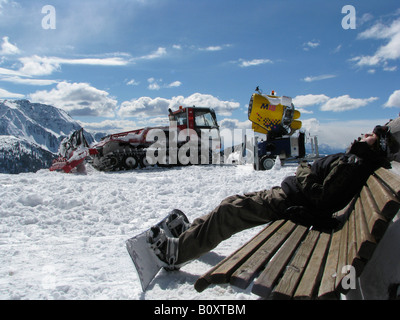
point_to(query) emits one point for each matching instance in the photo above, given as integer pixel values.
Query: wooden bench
(290, 261)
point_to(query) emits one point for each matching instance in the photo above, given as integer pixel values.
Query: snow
(62, 236)
(10, 142)
(11, 104)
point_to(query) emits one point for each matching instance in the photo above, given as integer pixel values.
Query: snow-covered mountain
(31, 134)
(325, 149)
(17, 155)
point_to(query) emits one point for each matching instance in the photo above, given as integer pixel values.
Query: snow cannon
(273, 115)
(277, 118)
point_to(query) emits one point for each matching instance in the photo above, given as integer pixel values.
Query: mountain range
(30, 134)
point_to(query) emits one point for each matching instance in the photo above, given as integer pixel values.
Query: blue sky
(119, 64)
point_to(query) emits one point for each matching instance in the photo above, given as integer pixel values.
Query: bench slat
(377, 224)
(268, 278)
(232, 262)
(313, 272)
(388, 205)
(327, 287)
(366, 243)
(223, 273)
(390, 178)
(243, 276)
(353, 258)
(294, 271)
(342, 258)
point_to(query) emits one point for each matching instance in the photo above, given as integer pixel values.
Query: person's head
(370, 138)
(377, 140)
(383, 139)
(393, 139)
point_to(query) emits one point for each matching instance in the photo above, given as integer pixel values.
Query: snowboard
(146, 262)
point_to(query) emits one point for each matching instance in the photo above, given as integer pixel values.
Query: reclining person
(311, 197)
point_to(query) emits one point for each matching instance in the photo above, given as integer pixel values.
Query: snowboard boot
(165, 248)
(177, 223)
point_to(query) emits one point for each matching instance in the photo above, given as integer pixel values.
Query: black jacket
(331, 182)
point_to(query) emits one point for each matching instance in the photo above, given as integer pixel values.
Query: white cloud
(389, 51)
(345, 103)
(160, 52)
(110, 126)
(4, 3)
(318, 78)
(337, 104)
(394, 100)
(79, 99)
(337, 49)
(132, 82)
(234, 124)
(18, 77)
(8, 72)
(149, 107)
(309, 100)
(153, 84)
(174, 84)
(29, 81)
(36, 66)
(10, 95)
(94, 61)
(215, 48)
(364, 18)
(340, 134)
(144, 107)
(366, 60)
(251, 63)
(390, 69)
(157, 84)
(39, 66)
(207, 100)
(212, 48)
(8, 48)
(311, 126)
(310, 45)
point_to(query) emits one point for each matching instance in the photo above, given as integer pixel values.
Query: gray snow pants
(234, 214)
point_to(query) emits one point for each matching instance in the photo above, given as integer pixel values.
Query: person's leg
(234, 214)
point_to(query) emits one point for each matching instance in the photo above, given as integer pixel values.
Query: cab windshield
(204, 119)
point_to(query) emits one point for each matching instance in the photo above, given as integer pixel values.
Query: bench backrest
(369, 217)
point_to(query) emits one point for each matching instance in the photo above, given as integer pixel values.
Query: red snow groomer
(131, 149)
